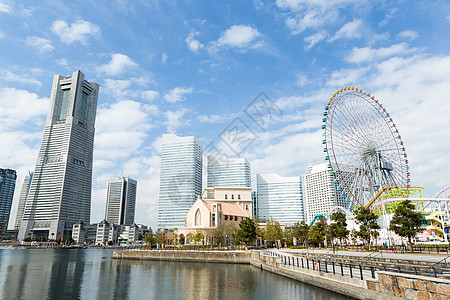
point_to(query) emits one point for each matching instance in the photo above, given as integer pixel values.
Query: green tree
(247, 231)
(230, 230)
(149, 238)
(300, 231)
(160, 236)
(218, 234)
(339, 226)
(198, 237)
(316, 233)
(406, 222)
(368, 226)
(273, 231)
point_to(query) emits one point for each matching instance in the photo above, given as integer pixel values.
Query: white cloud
(312, 40)
(177, 94)
(408, 35)
(149, 95)
(40, 44)
(121, 128)
(2, 35)
(20, 78)
(75, 32)
(164, 58)
(351, 30)
(215, 118)
(315, 14)
(193, 44)
(119, 63)
(18, 106)
(5, 8)
(62, 62)
(174, 119)
(368, 54)
(238, 36)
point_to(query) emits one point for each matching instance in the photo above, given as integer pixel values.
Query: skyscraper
(224, 171)
(279, 198)
(7, 185)
(121, 201)
(181, 178)
(60, 191)
(320, 191)
(23, 199)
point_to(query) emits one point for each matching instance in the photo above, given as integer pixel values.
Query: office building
(60, 190)
(224, 172)
(181, 179)
(121, 201)
(321, 193)
(279, 198)
(7, 185)
(22, 199)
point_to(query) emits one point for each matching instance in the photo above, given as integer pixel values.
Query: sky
(198, 67)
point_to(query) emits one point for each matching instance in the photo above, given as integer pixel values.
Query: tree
(300, 231)
(406, 222)
(149, 238)
(247, 231)
(368, 225)
(160, 236)
(273, 231)
(198, 236)
(339, 226)
(217, 235)
(316, 233)
(230, 230)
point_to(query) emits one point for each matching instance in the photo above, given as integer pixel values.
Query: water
(93, 274)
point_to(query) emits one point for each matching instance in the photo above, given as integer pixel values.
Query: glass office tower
(181, 179)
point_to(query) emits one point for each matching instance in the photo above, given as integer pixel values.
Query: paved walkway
(413, 257)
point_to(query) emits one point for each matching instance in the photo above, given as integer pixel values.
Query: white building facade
(121, 201)
(23, 199)
(60, 190)
(321, 191)
(223, 171)
(181, 179)
(279, 198)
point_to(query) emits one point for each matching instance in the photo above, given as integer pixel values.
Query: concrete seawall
(235, 257)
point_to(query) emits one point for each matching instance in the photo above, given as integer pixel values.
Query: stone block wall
(410, 286)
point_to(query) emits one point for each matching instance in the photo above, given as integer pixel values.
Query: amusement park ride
(367, 160)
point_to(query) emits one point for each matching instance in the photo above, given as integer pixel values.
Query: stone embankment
(236, 257)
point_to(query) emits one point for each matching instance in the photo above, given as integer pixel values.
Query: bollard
(361, 272)
(342, 270)
(334, 271)
(351, 271)
(372, 271)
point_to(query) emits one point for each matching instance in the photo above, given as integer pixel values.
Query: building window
(198, 218)
(232, 196)
(239, 196)
(226, 196)
(246, 206)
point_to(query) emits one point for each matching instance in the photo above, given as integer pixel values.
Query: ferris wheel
(364, 150)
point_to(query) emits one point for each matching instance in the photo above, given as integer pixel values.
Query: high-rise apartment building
(225, 172)
(60, 191)
(7, 185)
(181, 179)
(279, 198)
(23, 199)
(121, 201)
(321, 193)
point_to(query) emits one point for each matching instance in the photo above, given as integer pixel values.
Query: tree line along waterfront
(406, 223)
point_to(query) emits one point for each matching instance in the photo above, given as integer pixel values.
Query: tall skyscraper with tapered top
(121, 201)
(181, 179)
(60, 191)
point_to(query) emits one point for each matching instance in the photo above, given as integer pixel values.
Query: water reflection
(92, 274)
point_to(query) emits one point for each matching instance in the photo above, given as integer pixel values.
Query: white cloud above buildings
(118, 64)
(178, 94)
(239, 37)
(193, 44)
(41, 45)
(78, 31)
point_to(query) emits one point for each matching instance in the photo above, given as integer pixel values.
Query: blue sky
(193, 67)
